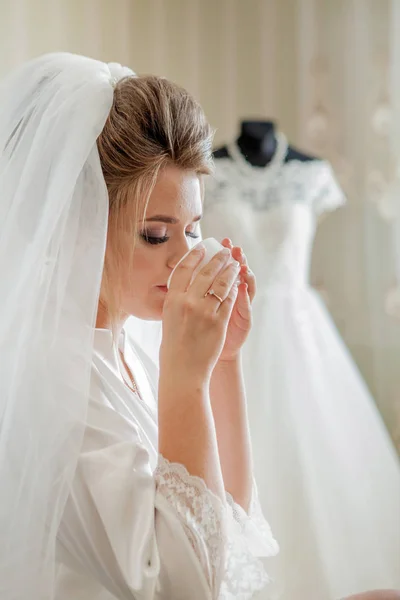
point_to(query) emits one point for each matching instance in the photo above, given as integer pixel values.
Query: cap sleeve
(328, 194)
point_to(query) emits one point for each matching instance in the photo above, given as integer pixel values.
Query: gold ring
(212, 293)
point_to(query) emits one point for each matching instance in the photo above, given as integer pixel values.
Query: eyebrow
(169, 220)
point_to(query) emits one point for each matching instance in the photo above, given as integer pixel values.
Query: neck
(103, 320)
(257, 141)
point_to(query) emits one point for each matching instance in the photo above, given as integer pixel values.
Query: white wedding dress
(328, 477)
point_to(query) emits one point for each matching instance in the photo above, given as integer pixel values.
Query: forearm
(187, 432)
(228, 402)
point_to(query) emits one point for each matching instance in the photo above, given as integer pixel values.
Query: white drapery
(326, 70)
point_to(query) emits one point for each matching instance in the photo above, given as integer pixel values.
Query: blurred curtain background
(328, 71)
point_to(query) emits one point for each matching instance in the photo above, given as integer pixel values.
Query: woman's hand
(195, 322)
(240, 322)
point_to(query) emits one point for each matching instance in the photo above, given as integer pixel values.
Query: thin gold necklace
(134, 387)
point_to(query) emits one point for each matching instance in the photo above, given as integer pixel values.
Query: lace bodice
(271, 212)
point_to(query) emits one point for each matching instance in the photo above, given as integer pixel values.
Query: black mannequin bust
(257, 142)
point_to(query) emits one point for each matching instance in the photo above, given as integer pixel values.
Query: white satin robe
(138, 527)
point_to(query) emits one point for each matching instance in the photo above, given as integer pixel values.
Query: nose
(178, 250)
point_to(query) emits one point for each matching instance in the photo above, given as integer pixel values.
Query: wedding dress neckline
(275, 163)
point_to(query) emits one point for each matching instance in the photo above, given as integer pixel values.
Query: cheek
(143, 269)
(141, 261)
(145, 260)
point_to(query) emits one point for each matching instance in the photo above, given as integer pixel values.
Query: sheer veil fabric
(53, 224)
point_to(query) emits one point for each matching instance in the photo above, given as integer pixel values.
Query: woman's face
(171, 227)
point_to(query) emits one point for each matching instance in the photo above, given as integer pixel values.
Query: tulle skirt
(328, 475)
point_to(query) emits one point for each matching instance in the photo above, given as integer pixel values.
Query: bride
(107, 493)
(111, 489)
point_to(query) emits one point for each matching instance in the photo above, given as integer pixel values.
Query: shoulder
(223, 181)
(315, 182)
(221, 153)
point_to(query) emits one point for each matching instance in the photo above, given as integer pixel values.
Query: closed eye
(154, 240)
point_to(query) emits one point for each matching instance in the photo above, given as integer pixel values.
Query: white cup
(212, 247)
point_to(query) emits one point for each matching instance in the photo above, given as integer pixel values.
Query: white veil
(53, 223)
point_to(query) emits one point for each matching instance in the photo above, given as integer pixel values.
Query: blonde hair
(152, 123)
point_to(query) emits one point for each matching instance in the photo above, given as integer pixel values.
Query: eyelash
(161, 240)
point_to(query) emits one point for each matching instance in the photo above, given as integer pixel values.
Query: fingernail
(226, 252)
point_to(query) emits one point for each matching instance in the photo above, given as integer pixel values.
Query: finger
(237, 254)
(247, 276)
(226, 308)
(244, 260)
(183, 273)
(222, 284)
(227, 243)
(243, 305)
(205, 277)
